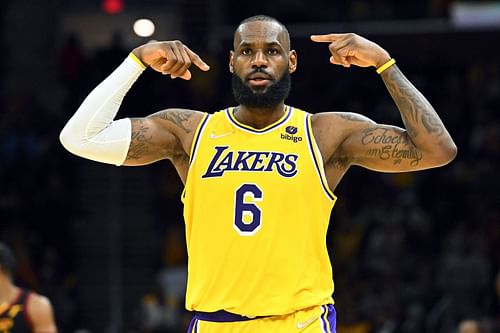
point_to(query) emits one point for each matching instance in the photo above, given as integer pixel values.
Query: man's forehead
(259, 31)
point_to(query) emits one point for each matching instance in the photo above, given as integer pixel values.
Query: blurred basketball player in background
(21, 310)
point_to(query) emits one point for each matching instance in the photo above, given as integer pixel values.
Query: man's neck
(8, 291)
(259, 117)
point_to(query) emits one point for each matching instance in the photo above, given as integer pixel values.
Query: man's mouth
(259, 82)
(259, 79)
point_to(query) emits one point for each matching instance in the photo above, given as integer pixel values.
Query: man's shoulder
(341, 116)
(39, 310)
(332, 128)
(37, 300)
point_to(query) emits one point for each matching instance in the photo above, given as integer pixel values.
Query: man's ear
(292, 61)
(231, 61)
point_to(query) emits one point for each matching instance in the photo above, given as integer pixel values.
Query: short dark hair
(266, 18)
(7, 260)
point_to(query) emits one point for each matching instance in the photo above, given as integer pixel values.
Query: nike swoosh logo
(213, 136)
(306, 323)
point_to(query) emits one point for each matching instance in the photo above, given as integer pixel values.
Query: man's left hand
(351, 49)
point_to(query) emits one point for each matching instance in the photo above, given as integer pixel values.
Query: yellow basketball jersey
(257, 207)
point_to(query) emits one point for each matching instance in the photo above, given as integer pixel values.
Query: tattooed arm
(94, 133)
(163, 135)
(424, 143)
(168, 133)
(424, 128)
(360, 141)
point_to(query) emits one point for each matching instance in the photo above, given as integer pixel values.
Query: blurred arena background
(414, 252)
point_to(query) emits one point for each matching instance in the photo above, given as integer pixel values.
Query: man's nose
(259, 59)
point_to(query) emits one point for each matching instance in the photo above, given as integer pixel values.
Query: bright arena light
(144, 27)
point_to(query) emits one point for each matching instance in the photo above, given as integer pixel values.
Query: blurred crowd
(413, 252)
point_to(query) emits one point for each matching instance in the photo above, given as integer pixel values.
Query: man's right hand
(170, 58)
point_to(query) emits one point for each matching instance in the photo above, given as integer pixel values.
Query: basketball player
(259, 176)
(21, 310)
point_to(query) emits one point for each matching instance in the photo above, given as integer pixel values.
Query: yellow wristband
(388, 64)
(137, 60)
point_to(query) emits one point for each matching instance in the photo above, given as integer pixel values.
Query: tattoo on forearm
(176, 117)
(432, 124)
(141, 144)
(414, 107)
(390, 146)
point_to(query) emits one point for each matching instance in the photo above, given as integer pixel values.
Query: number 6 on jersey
(247, 215)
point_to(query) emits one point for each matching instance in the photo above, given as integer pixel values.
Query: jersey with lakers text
(257, 207)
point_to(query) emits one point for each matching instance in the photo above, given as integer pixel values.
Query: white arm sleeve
(91, 132)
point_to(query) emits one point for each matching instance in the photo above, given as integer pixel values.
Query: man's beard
(266, 98)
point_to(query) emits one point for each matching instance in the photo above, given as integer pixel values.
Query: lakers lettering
(251, 161)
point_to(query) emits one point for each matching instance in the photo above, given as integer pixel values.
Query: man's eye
(273, 51)
(246, 51)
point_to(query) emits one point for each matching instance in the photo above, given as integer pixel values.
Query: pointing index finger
(197, 60)
(326, 38)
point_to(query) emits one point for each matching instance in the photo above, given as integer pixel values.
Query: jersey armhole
(196, 138)
(194, 147)
(27, 317)
(317, 158)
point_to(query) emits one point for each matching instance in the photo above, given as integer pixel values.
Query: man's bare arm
(93, 133)
(166, 134)
(379, 147)
(425, 143)
(357, 140)
(423, 125)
